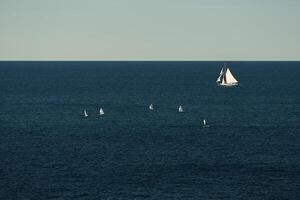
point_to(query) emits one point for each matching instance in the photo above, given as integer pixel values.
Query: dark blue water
(48, 150)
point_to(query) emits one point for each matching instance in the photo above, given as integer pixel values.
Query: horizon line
(142, 60)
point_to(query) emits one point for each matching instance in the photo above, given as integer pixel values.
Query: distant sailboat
(101, 112)
(180, 109)
(205, 125)
(85, 113)
(226, 78)
(151, 107)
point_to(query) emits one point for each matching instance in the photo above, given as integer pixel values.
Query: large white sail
(229, 77)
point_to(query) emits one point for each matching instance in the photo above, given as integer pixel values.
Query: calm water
(48, 150)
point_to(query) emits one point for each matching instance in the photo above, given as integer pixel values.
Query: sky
(149, 30)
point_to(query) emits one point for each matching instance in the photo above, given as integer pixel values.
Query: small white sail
(151, 107)
(180, 109)
(101, 112)
(221, 74)
(223, 81)
(85, 113)
(205, 125)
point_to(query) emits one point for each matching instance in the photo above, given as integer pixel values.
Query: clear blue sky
(149, 30)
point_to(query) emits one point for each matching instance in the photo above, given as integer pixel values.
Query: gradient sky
(149, 30)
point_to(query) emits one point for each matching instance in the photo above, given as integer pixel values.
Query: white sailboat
(226, 78)
(101, 112)
(205, 125)
(151, 107)
(85, 113)
(180, 109)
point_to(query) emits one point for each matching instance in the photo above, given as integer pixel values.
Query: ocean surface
(48, 150)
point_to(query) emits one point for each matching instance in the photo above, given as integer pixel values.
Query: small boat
(205, 125)
(226, 78)
(151, 107)
(85, 113)
(180, 109)
(101, 112)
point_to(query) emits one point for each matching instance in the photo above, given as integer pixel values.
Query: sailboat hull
(228, 84)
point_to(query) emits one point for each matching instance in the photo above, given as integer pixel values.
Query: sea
(49, 150)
